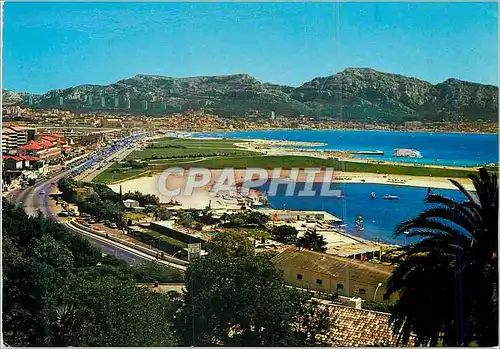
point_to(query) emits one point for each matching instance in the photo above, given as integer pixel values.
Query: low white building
(129, 203)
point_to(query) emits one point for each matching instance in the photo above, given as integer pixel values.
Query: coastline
(224, 130)
(150, 184)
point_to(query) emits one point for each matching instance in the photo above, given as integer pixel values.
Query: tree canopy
(59, 290)
(311, 240)
(285, 233)
(238, 298)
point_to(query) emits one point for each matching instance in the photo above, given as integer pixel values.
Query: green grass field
(155, 235)
(217, 154)
(123, 174)
(166, 148)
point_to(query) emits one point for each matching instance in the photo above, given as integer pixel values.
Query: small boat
(359, 223)
(372, 195)
(390, 197)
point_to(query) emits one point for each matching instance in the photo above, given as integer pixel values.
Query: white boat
(390, 197)
(372, 195)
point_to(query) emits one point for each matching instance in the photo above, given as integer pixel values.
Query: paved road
(95, 171)
(34, 201)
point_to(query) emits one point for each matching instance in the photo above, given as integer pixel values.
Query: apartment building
(15, 137)
(333, 274)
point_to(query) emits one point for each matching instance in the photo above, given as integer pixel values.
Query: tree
(143, 199)
(162, 214)
(448, 281)
(185, 219)
(233, 244)
(60, 291)
(285, 233)
(241, 300)
(153, 272)
(258, 218)
(311, 240)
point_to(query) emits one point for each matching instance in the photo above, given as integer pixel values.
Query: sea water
(447, 149)
(380, 217)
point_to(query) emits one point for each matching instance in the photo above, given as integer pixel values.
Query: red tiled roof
(30, 158)
(361, 328)
(45, 143)
(12, 157)
(48, 138)
(31, 146)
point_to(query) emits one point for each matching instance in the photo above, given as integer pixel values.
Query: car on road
(42, 193)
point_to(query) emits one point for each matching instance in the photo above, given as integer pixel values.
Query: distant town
(201, 120)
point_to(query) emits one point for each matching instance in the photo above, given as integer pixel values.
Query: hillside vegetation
(355, 94)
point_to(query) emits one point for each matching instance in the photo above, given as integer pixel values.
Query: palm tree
(448, 281)
(311, 240)
(69, 319)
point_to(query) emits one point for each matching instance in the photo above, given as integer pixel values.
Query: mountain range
(355, 94)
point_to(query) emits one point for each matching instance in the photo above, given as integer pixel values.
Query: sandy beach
(201, 197)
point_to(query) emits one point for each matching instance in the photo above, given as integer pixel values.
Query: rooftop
(11, 157)
(361, 328)
(7, 130)
(326, 215)
(334, 266)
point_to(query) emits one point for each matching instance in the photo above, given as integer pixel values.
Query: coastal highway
(35, 199)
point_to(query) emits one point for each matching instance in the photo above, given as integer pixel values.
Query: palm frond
(463, 190)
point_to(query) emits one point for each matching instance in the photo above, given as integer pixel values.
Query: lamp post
(375, 293)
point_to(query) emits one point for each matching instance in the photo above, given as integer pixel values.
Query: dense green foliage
(236, 297)
(143, 199)
(96, 199)
(448, 281)
(101, 202)
(244, 219)
(58, 290)
(311, 240)
(285, 233)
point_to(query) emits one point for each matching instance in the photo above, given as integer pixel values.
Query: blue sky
(57, 45)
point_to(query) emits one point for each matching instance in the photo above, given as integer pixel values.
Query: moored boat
(390, 197)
